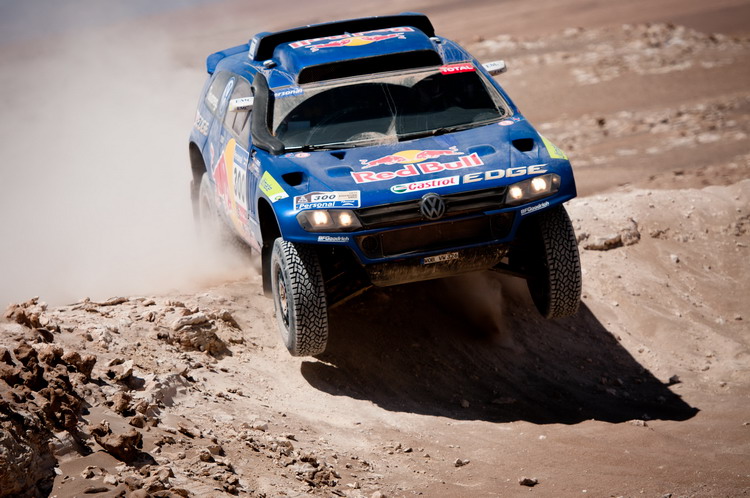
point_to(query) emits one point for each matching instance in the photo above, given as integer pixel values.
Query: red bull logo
(355, 41)
(352, 40)
(424, 168)
(410, 157)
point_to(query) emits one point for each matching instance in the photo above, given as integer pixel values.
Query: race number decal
(327, 200)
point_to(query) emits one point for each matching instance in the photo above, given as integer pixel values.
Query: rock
(200, 339)
(24, 353)
(160, 389)
(50, 354)
(227, 317)
(674, 258)
(630, 235)
(460, 463)
(194, 319)
(639, 423)
(121, 373)
(93, 490)
(604, 243)
(259, 425)
(23, 441)
(6, 357)
(20, 314)
(114, 301)
(125, 447)
(88, 472)
(121, 402)
(528, 481)
(138, 420)
(84, 364)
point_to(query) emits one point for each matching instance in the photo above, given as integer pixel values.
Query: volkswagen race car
(374, 152)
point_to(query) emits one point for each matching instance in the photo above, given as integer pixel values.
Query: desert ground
(135, 360)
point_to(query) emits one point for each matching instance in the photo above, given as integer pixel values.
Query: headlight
(531, 189)
(328, 220)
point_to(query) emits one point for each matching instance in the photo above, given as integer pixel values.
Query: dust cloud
(479, 299)
(94, 135)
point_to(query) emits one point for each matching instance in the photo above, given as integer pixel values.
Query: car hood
(492, 155)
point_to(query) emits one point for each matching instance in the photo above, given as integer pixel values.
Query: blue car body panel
(245, 176)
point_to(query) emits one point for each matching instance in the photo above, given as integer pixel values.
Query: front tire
(551, 260)
(299, 298)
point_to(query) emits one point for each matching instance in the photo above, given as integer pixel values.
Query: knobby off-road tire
(299, 298)
(555, 266)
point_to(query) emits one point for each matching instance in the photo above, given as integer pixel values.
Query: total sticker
(327, 200)
(465, 67)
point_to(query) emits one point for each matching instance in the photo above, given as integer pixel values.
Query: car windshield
(385, 108)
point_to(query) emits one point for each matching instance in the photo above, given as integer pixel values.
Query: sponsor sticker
(288, 92)
(553, 151)
(271, 188)
(327, 200)
(440, 258)
(201, 124)
(496, 174)
(255, 165)
(464, 67)
(352, 39)
(332, 238)
(411, 156)
(241, 158)
(509, 121)
(298, 155)
(227, 92)
(535, 208)
(426, 185)
(424, 168)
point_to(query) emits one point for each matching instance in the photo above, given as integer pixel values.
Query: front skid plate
(444, 265)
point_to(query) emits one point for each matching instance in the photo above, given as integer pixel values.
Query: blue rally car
(373, 152)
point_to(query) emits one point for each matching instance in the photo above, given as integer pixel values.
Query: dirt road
(445, 388)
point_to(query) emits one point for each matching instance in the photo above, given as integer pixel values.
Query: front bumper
(439, 266)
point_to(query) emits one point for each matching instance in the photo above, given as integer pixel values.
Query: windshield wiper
(331, 146)
(430, 133)
(444, 130)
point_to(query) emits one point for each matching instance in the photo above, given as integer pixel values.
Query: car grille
(403, 213)
(436, 236)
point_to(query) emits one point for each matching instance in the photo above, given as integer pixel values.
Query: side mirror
(243, 104)
(495, 67)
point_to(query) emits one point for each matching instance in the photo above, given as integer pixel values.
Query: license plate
(440, 258)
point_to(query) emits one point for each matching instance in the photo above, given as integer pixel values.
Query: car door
(244, 170)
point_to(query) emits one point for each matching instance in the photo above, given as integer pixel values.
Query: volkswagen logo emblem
(432, 206)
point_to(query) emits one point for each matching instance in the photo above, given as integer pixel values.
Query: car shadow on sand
(474, 348)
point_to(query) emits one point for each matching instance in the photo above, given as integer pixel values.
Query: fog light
(515, 192)
(539, 184)
(345, 219)
(320, 218)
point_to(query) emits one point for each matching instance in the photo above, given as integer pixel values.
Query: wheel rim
(281, 297)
